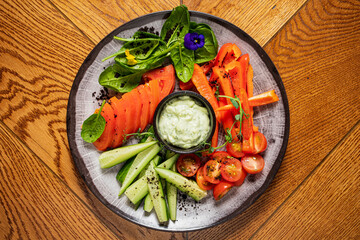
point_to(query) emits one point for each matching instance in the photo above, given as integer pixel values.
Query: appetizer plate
(273, 121)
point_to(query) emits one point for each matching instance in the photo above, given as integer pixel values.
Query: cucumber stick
(140, 162)
(171, 194)
(111, 158)
(148, 204)
(138, 190)
(185, 185)
(120, 176)
(156, 193)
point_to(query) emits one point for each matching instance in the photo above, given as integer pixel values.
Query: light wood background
(315, 47)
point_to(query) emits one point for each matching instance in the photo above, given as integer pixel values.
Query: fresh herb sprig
(235, 101)
(93, 126)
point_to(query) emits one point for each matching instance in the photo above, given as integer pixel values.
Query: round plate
(273, 121)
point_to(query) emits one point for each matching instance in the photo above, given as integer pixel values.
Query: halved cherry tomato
(212, 171)
(260, 142)
(235, 149)
(253, 163)
(242, 177)
(221, 189)
(188, 164)
(220, 156)
(200, 180)
(231, 169)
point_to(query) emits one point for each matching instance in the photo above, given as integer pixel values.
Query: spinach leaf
(111, 79)
(209, 51)
(194, 25)
(183, 60)
(141, 34)
(140, 48)
(210, 48)
(176, 26)
(93, 126)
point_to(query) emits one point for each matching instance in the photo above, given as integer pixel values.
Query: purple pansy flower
(194, 41)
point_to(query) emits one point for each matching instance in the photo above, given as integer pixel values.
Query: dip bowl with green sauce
(184, 121)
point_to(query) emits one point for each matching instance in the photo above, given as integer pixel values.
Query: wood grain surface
(314, 46)
(96, 19)
(35, 204)
(326, 205)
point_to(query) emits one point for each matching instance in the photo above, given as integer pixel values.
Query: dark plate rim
(138, 22)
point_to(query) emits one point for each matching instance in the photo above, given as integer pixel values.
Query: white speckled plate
(273, 121)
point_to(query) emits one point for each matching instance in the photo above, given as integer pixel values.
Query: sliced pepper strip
(263, 98)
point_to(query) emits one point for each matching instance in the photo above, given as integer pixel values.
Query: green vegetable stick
(138, 190)
(184, 184)
(140, 162)
(111, 158)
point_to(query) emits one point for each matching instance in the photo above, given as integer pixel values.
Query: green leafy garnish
(93, 126)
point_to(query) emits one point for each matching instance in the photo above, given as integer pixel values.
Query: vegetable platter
(272, 120)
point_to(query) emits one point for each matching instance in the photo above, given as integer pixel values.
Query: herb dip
(184, 122)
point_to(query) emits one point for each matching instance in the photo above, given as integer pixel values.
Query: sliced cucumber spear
(140, 162)
(148, 204)
(111, 158)
(138, 190)
(185, 185)
(156, 193)
(171, 194)
(120, 176)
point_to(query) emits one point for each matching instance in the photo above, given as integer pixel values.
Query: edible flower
(130, 58)
(194, 41)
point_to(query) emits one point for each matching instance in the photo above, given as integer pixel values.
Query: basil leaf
(93, 126)
(176, 26)
(183, 60)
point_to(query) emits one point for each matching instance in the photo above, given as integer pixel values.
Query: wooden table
(315, 47)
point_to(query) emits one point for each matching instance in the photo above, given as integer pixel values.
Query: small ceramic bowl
(199, 99)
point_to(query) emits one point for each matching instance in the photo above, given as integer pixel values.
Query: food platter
(273, 121)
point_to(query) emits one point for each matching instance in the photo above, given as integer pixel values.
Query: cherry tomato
(221, 189)
(253, 163)
(220, 156)
(235, 149)
(200, 180)
(243, 175)
(231, 169)
(212, 171)
(188, 164)
(260, 142)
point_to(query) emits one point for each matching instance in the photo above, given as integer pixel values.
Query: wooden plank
(260, 19)
(326, 206)
(96, 19)
(35, 204)
(40, 55)
(318, 58)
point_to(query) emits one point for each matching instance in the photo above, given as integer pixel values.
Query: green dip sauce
(184, 122)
